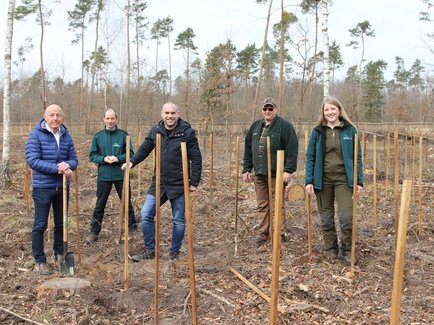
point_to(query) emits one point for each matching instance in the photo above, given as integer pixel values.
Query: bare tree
(97, 16)
(43, 14)
(261, 65)
(5, 177)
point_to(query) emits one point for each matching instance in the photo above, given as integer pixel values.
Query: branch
(20, 317)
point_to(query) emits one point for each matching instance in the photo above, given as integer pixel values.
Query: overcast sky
(398, 31)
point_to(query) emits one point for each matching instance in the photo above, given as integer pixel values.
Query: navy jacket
(43, 155)
(315, 156)
(172, 183)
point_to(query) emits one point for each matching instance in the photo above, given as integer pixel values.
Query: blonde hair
(333, 101)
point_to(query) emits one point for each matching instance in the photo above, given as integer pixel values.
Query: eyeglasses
(268, 108)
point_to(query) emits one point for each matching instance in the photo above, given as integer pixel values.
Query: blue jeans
(44, 199)
(178, 219)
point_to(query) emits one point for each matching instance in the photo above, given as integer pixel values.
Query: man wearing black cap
(282, 137)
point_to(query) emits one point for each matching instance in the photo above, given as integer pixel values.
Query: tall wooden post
(211, 176)
(276, 238)
(354, 229)
(157, 226)
(189, 232)
(420, 186)
(237, 176)
(374, 184)
(400, 253)
(396, 177)
(126, 212)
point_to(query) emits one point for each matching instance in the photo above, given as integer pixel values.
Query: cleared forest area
(312, 289)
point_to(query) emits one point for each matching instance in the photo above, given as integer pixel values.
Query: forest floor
(312, 288)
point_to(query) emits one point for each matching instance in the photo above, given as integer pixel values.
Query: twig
(227, 302)
(259, 292)
(20, 317)
(185, 302)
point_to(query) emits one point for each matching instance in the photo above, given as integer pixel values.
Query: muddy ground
(312, 288)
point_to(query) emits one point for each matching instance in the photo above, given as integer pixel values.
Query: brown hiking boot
(41, 269)
(91, 238)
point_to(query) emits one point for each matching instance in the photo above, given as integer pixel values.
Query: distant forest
(293, 65)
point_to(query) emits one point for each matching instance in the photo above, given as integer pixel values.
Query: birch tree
(326, 50)
(5, 177)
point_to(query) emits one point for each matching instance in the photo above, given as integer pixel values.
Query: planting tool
(67, 264)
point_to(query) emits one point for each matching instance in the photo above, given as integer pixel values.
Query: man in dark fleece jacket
(108, 151)
(282, 137)
(173, 130)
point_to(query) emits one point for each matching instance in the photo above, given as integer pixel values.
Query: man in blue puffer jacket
(50, 153)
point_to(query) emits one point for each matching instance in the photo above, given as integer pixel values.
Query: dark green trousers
(335, 187)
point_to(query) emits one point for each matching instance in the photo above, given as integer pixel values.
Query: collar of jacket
(180, 126)
(43, 127)
(111, 131)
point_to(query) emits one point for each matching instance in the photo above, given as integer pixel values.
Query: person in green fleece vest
(108, 151)
(329, 174)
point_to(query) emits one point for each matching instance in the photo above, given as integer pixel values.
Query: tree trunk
(326, 69)
(41, 53)
(5, 177)
(261, 65)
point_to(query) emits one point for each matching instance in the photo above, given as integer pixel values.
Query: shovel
(67, 264)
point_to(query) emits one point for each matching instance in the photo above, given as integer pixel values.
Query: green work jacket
(316, 150)
(282, 137)
(109, 143)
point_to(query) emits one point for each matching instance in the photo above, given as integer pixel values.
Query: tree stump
(68, 285)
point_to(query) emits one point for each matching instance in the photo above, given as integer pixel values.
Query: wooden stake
(400, 253)
(270, 188)
(387, 163)
(139, 170)
(230, 162)
(125, 207)
(374, 158)
(236, 194)
(396, 177)
(211, 177)
(309, 224)
(413, 166)
(306, 140)
(77, 216)
(276, 237)
(420, 186)
(27, 185)
(157, 226)
(189, 232)
(355, 179)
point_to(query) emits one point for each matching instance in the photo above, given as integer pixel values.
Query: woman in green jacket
(329, 174)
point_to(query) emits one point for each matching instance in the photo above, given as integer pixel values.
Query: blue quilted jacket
(43, 155)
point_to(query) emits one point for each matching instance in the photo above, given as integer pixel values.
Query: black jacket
(171, 159)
